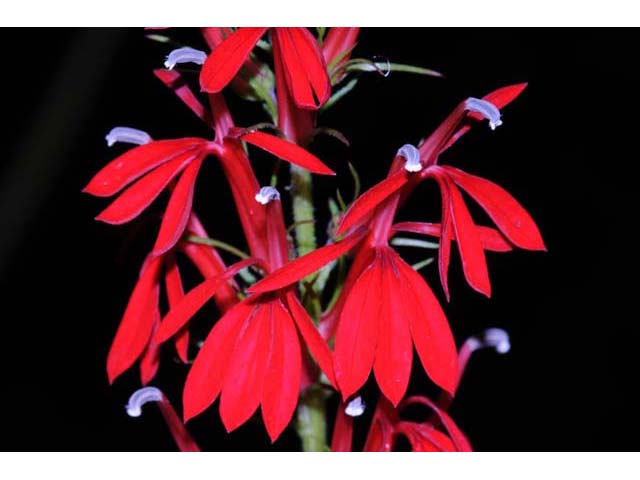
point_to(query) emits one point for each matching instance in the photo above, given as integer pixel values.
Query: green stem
(303, 210)
(212, 242)
(311, 421)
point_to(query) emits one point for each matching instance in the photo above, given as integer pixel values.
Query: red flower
(306, 72)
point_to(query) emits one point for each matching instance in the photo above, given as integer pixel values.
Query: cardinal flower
(299, 54)
(252, 357)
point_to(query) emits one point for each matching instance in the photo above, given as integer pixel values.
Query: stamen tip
(355, 407)
(412, 156)
(140, 397)
(266, 195)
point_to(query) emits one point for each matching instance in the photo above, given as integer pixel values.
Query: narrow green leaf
(413, 242)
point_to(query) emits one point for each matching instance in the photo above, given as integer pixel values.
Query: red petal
(136, 326)
(305, 265)
(312, 338)
(306, 72)
(178, 209)
(381, 433)
(244, 380)
(357, 333)
(490, 238)
(459, 439)
(471, 252)
(444, 252)
(394, 350)
(151, 357)
(430, 330)
(338, 41)
(509, 216)
(425, 438)
(287, 151)
(207, 373)
(173, 80)
(282, 381)
(138, 161)
(342, 437)
(371, 199)
(178, 431)
(227, 58)
(193, 301)
(139, 196)
(175, 293)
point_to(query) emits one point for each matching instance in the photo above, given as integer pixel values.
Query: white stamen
(266, 194)
(495, 338)
(184, 55)
(487, 109)
(355, 407)
(140, 397)
(127, 135)
(412, 157)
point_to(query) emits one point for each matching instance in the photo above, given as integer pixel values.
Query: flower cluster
(277, 343)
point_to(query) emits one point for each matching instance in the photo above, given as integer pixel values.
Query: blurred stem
(311, 423)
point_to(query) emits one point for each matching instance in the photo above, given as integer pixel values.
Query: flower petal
(136, 198)
(282, 382)
(430, 330)
(136, 326)
(178, 209)
(312, 338)
(371, 199)
(207, 373)
(307, 264)
(123, 170)
(394, 349)
(490, 238)
(342, 438)
(338, 41)
(509, 216)
(287, 151)
(304, 66)
(175, 293)
(243, 383)
(474, 263)
(227, 58)
(193, 301)
(150, 361)
(357, 334)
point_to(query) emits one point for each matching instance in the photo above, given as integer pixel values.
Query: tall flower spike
(127, 135)
(184, 55)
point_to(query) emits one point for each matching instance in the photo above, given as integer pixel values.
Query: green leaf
(418, 266)
(332, 132)
(413, 242)
(339, 94)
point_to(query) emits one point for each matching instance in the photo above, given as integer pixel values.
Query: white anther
(495, 338)
(412, 157)
(487, 109)
(266, 194)
(184, 55)
(140, 397)
(127, 135)
(355, 407)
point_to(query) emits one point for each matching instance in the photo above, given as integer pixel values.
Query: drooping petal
(150, 361)
(282, 382)
(178, 209)
(381, 433)
(474, 263)
(193, 301)
(304, 66)
(357, 335)
(207, 373)
(444, 252)
(430, 330)
(243, 383)
(123, 170)
(305, 265)
(394, 349)
(459, 439)
(175, 293)
(425, 438)
(227, 58)
(178, 84)
(288, 151)
(136, 326)
(136, 198)
(371, 199)
(312, 338)
(509, 216)
(490, 238)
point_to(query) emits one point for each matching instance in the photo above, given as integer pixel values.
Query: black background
(566, 150)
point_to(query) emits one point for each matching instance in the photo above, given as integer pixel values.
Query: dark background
(566, 150)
